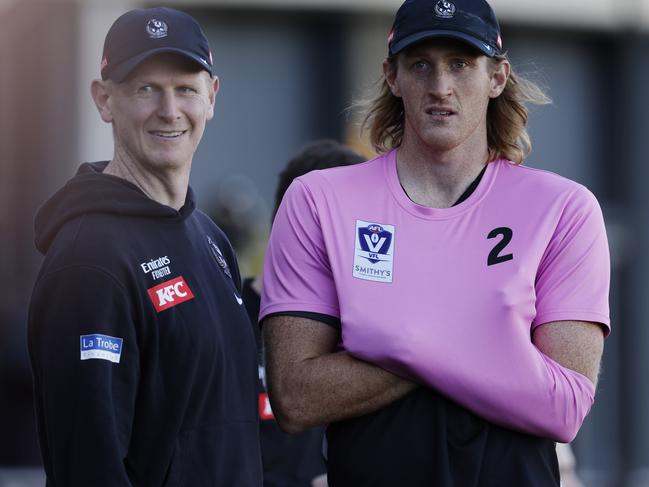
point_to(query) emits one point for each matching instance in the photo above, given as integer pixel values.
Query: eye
(421, 66)
(459, 64)
(187, 90)
(145, 89)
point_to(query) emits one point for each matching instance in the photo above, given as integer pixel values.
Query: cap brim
(120, 72)
(483, 47)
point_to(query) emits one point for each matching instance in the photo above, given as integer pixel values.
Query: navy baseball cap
(142, 33)
(471, 21)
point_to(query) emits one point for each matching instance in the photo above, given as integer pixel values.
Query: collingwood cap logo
(444, 9)
(156, 29)
(143, 32)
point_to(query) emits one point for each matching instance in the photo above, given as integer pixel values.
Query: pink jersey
(449, 297)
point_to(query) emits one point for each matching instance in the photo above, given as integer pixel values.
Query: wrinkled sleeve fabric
(297, 272)
(84, 407)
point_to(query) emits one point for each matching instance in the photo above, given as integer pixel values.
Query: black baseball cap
(472, 21)
(142, 33)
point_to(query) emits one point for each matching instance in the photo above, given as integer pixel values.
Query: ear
(100, 92)
(390, 73)
(499, 78)
(214, 89)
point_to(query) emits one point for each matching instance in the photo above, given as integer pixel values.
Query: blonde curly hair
(507, 116)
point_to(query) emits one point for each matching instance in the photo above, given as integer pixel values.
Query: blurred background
(288, 71)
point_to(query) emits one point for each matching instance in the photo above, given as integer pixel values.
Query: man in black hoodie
(144, 363)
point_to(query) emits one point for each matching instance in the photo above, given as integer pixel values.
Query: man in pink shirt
(441, 307)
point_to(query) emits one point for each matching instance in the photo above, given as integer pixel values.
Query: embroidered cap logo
(156, 29)
(218, 256)
(444, 9)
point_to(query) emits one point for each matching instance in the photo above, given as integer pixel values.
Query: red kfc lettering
(170, 293)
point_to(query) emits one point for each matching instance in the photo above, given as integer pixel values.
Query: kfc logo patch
(170, 293)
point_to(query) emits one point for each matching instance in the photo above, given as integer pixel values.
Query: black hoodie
(144, 362)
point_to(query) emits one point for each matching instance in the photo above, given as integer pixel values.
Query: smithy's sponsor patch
(374, 251)
(102, 347)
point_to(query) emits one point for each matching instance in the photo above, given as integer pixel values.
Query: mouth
(168, 134)
(439, 112)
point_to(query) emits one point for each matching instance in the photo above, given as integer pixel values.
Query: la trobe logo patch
(374, 251)
(101, 347)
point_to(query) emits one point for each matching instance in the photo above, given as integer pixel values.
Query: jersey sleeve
(297, 274)
(574, 275)
(84, 355)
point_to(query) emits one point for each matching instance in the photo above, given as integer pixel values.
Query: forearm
(321, 386)
(512, 383)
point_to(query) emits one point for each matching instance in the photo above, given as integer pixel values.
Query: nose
(168, 108)
(440, 85)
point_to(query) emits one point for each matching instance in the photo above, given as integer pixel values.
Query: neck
(167, 186)
(437, 178)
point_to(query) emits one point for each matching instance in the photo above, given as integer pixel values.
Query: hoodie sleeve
(84, 356)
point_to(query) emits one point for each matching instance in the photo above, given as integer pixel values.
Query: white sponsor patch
(374, 251)
(157, 267)
(102, 347)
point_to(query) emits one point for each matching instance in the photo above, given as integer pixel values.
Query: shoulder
(343, 175)
(93, 241)
(217, 241)
(213, 231)
(540, 184)
(341, 182)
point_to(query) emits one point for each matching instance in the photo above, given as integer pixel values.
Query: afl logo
(444, 9)
(156, 29)
(374, 242)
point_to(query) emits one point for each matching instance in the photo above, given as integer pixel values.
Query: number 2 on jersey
(494, 256)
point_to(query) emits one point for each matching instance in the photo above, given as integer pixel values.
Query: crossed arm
(310, 383)
(576, 345)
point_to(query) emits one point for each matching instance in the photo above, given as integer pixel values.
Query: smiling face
(445, 86)
(159, 112)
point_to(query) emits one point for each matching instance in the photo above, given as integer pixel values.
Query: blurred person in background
(291, 460)
(470, 293)
(143, 359)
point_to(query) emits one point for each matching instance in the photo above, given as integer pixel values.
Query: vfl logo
(373, 256)
(156, 29)
(444, 9)
(170, 293)
(375, 241)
